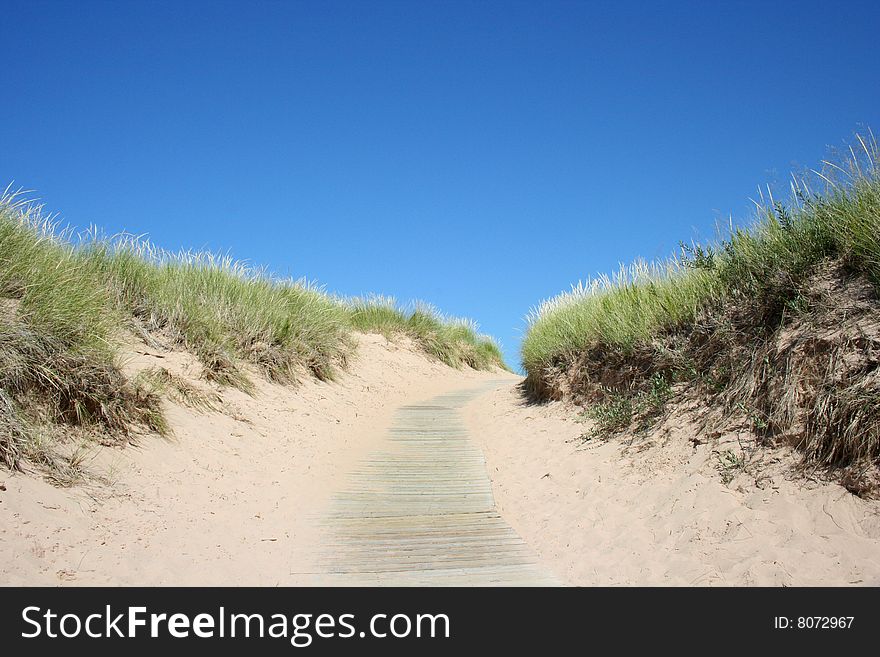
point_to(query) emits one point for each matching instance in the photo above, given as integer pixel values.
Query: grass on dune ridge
(454, 341)
(66, 300)
(714, 313)
(644, 299)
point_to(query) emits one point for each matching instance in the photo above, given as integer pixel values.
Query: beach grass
(716, 314)
(68, 301)
(832, 212)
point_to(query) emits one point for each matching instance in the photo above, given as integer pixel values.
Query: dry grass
(167, 384)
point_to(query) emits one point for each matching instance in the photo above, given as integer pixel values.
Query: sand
(230, 499)
(235, 497)
(657, 511)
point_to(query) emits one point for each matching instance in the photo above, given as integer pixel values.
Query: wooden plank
(420, 511)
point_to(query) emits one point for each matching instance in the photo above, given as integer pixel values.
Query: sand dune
(230, 499)
(657, 512)
(236, 497)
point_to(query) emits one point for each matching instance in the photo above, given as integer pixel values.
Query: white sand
(658, 513)
(226, 501)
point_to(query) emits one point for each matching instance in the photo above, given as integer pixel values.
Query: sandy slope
(231, 498)
(657, 512)
(235, 497)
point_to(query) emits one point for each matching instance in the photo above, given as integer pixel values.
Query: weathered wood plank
(420, 512)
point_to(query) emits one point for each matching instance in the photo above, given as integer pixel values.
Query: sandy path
(657, 512)
(419, 511)
(380, 477)
(231, 498)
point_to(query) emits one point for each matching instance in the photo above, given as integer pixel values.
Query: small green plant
(613, 414)
(798, 304)
(618, 410)
(730, 464)
(658, 394)
(697, 256)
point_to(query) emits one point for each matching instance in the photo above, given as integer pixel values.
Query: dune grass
(625, 309)
(57, 356)
(768, 259)
(66, 302)
(224, 311)
(454, 341)
(714, 315)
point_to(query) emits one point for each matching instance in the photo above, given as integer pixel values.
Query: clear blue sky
(478, 155)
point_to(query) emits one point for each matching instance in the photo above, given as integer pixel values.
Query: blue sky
(478, 155)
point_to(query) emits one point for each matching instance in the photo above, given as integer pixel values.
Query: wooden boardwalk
(420, 511)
